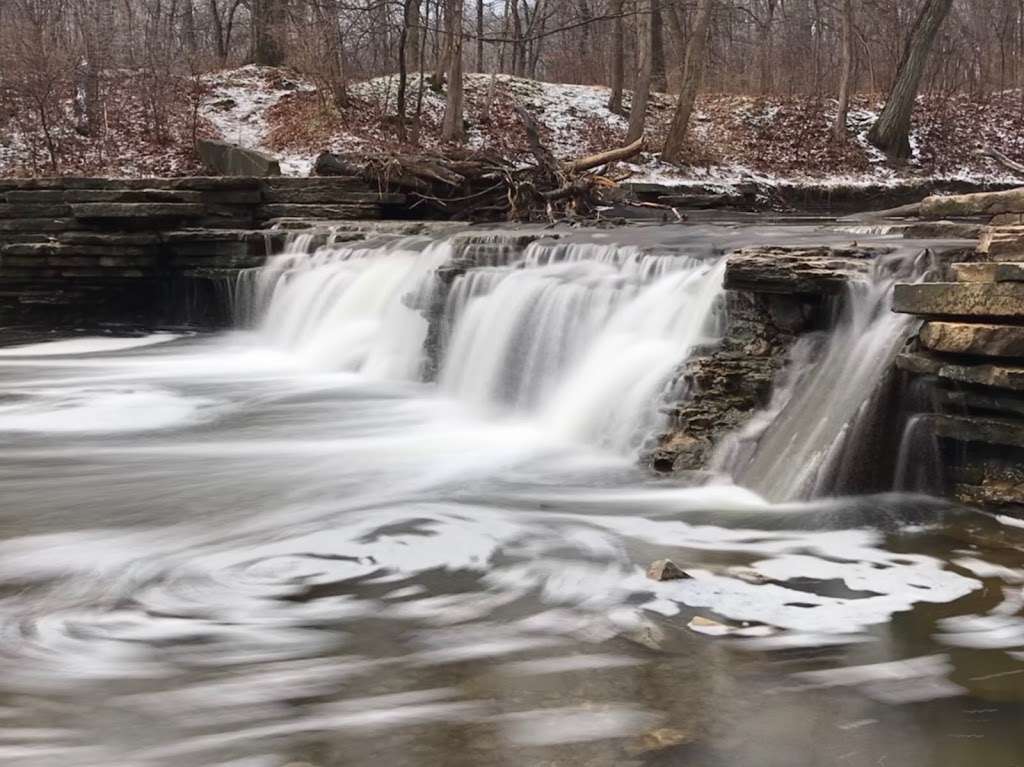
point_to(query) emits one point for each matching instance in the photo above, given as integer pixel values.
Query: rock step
(1005, 432)
(1005, 242)
(135, 210)
(331, 196)
(961, 299)
(336, 212)
(978, 339)
(809, 271)
(1008, 219)
(34, 210)
(995, 375)
(37, 225)
(989, 271)
(43, 249)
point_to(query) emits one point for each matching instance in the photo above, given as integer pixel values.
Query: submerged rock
(666, 570)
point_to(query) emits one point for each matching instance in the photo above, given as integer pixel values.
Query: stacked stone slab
(86, 250)
(971, 344)
(773, 295)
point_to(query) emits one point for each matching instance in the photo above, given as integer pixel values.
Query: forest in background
(70, 68)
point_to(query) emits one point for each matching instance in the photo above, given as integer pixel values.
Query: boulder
(224, 159)
(973, 205)
(978, 339)
(666, 570)
(961, 299)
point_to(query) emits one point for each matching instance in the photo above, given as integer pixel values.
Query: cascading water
(810, 440)
(581, 336)
(217, 550)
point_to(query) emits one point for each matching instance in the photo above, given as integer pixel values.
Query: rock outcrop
(87, 250)
(970, 350)
(773, 295)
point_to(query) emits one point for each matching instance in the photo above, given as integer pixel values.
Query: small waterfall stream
(397, 518)
(578, 336)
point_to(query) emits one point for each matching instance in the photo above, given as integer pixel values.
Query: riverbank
(737, 141)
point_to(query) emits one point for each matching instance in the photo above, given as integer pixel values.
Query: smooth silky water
(278, 545)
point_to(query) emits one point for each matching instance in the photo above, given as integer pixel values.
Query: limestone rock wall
(970, 352)
(87, 250)
(773, 296)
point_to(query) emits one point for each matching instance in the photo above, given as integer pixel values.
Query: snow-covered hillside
(734, 139)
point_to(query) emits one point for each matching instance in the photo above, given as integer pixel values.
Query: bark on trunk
(268, 29)
(693, 72)
(642, 87)
(659, 82)
(891, 133)
(845, 74)
(452, 129)
(618, 56)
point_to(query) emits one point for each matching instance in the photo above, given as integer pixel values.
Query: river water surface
(276, 545)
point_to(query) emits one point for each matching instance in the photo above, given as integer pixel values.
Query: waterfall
(826, 426)
(580, 336)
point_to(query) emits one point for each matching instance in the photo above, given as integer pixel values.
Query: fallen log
(1003, 160)
(605, 158)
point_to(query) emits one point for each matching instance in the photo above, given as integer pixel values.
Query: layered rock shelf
(773, 296)
(971, 349)
(88, 250)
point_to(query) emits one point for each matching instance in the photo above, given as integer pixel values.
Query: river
(278, 545)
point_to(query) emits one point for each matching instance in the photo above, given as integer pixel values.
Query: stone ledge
(994, 375)
(961, 299)
(978, 339)
(1004, 432)
(989, 271)
(136, 210)
(801, 271)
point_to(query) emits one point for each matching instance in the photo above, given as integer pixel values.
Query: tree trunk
(403, 70)
(659, 82)
(268, 29)
(452, 128)
(891, 133)
(479, 35)
(412, 26)
(693, 72)
(642, 87)
(845, 74)
(618, 56)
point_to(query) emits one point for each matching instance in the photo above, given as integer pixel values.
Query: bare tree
(891, 133)
(642, 87)
(268, 21)
(693, 72)
(452, 128)
(618, 56)
(845, 73)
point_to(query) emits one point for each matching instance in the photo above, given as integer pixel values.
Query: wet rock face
(809, 271)
(721, 389)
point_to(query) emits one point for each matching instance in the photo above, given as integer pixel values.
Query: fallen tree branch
(1003, 160)
(605, 158)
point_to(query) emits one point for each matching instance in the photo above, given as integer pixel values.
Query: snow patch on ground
(238, 103)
